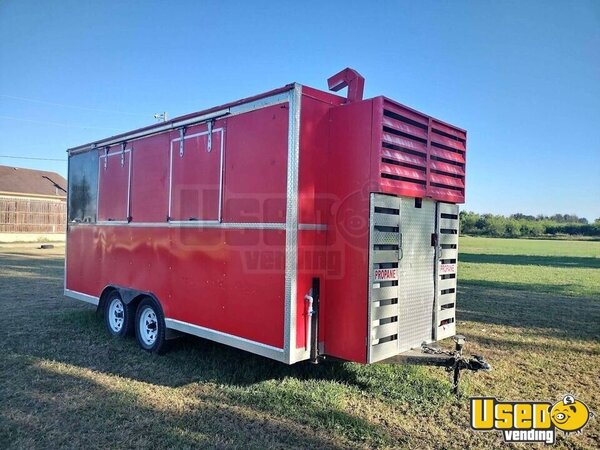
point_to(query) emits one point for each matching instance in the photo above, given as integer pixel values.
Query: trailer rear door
(402, 267)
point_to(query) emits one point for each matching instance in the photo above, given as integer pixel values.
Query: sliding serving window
(83, 187)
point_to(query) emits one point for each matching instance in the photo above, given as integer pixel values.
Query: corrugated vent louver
(420, 156)
(447, 260)
(385, 242)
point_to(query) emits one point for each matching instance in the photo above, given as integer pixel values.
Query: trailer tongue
(293, 224)
(453, 361)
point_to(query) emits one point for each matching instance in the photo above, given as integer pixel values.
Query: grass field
(531, 307)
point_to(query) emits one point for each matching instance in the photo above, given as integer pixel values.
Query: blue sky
(523, 77)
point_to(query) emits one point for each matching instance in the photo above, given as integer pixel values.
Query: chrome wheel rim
(148, 326)
(116, 314)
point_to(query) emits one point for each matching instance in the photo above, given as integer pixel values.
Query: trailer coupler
(455, 361)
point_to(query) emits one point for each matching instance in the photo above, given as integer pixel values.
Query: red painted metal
(255, 175)
(150, 161)
(230, 277)
(218, 279)
(351, 79)
(420, 156)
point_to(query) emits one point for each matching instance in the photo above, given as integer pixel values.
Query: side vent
(384, 255)
(420, 156)
(447, 259)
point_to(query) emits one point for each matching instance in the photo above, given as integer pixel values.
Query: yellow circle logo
(570, 415)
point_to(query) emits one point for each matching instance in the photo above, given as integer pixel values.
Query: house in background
(33, 205)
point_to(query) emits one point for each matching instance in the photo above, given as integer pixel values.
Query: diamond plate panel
(416, 278)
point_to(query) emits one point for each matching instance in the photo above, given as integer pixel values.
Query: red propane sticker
(447, 268)
(385, 274)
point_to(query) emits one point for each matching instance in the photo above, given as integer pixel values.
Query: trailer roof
(206, 113)
(176, 122)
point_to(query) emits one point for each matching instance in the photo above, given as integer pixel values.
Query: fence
(22, 215)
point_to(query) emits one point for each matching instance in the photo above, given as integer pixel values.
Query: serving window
(114, 178)
(83, 187)
(196, 176)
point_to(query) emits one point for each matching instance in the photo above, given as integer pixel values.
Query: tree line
(523, 225)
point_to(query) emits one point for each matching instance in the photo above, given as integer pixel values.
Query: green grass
(567, 268)
(531, 307)
(529, 247)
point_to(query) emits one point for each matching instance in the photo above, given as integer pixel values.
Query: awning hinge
(123, 145)
(210, 131)
(181, 141)
(106, 157)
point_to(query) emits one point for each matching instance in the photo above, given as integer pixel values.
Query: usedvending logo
(529, 421)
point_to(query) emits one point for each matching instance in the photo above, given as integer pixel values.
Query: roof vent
(351, 79)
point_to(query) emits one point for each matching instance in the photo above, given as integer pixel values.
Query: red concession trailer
(291, 224)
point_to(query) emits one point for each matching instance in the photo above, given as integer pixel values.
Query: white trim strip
(312, 226)
(81, 296)
(114, 153)
(221, 175)
(201, 224)
(291, 226)
(110, 222)
(227, 339)
(202, 133)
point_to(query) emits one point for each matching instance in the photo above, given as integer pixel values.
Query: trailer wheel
(118, 316)
(150, 326)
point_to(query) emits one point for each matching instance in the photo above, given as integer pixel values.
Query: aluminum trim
(282, 97)
(128, 213)
(436, 274)
(221, 175)
(202, 133)
(127, 150)
(97, 188)
(81, 296)
(67, 227)
(189, 222)
(370, 281)
(227, 339)
(199, 224)
(291, 225)
(312, 227)
(110, 222)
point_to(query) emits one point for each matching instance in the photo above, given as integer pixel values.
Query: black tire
(118, 317)
(150, 327)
